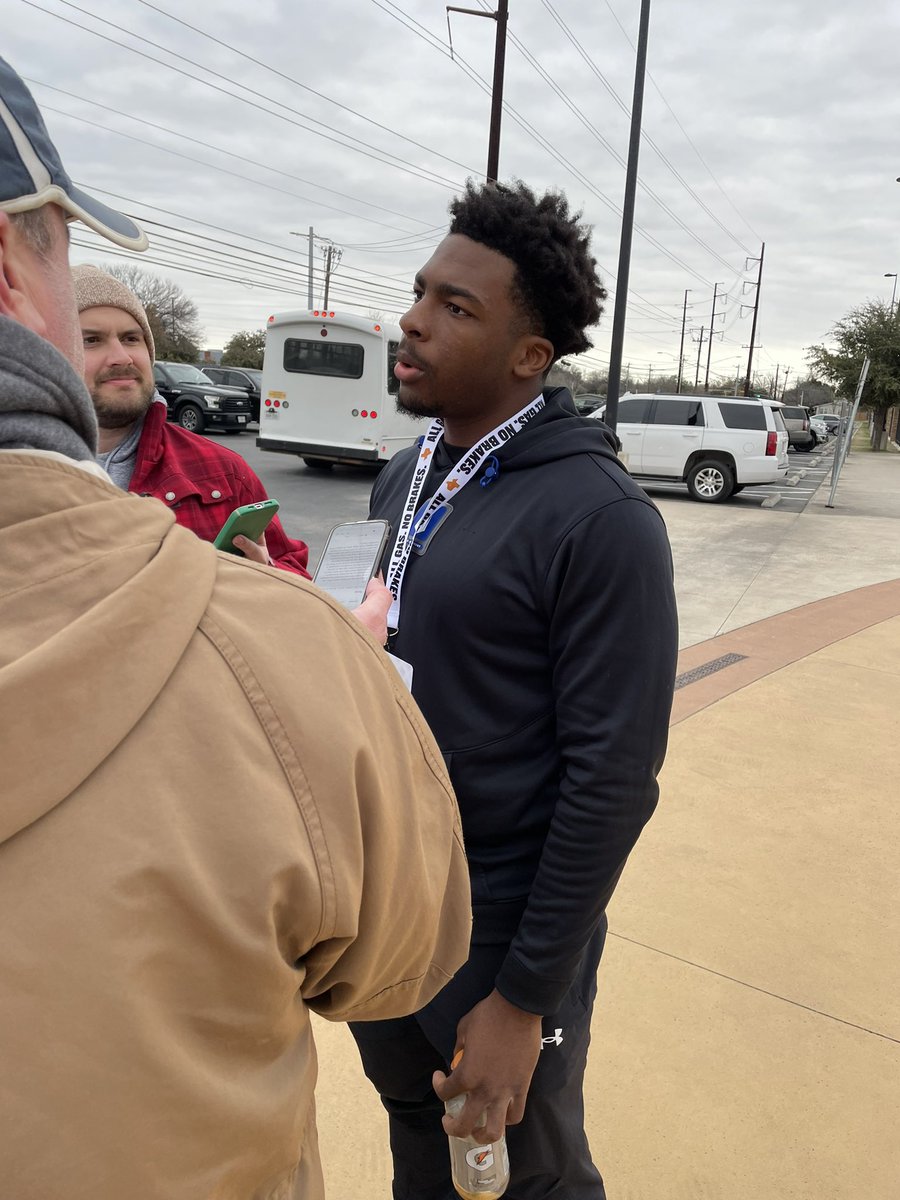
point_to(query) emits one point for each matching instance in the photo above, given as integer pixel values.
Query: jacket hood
(558, 432)
(100, 594)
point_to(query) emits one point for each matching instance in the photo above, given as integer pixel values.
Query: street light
(892, 275)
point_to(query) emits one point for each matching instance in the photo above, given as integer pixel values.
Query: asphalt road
(311, 501)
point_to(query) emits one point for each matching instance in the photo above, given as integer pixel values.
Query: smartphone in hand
(250, 519)
(350, 559)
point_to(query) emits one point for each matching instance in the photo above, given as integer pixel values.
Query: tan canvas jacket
(219, 808)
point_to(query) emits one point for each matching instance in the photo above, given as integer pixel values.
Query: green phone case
(251, 520)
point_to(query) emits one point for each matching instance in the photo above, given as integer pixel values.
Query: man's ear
(18, 270)
(534, 357)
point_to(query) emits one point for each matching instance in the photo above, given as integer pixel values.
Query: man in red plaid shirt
(199, 480)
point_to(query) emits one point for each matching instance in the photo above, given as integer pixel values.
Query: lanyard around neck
(467, 468)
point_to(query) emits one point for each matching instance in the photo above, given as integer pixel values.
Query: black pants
(548, 1152)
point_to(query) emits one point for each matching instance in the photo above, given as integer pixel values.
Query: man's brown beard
(116, 416)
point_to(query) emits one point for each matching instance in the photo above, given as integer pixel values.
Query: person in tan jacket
(219, 807)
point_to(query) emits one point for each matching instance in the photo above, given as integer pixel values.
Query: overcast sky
(775, 121)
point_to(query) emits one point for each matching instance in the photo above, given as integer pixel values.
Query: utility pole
(501, 16)
(332, 257)
(328, 253)
(634, 146)
(309, 265)
(775, 388)
(787, 371)
(712, 326)
(699, 349)
(681, 347)
(747, 381)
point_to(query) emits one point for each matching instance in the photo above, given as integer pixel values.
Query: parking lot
(313, 501)
(805, 473)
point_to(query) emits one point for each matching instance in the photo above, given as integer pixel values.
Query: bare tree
(172, 316)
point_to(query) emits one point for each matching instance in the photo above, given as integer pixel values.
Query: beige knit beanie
(95, 289)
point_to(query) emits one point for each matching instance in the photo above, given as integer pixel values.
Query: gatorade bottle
(480, 1170)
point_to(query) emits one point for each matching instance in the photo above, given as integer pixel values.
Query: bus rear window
(341, 359)
(393, 383)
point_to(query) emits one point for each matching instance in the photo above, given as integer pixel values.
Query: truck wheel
(710, 481)
(318, 464)
(190, 417)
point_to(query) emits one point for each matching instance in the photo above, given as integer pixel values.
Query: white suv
(717, 445)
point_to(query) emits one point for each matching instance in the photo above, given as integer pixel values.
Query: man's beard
(411, 407)
(122, 412)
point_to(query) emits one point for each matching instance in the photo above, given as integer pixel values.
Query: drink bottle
(480, 1170)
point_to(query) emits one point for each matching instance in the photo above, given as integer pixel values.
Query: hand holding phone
(350, 559)
(250, 520)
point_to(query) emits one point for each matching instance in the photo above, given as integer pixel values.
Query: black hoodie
(540, 622)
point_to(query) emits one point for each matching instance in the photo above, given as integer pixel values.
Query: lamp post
(892, 275)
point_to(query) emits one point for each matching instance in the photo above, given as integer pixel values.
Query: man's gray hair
(35, 229)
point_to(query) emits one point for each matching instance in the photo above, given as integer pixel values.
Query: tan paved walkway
(748, 1038)
(747, 1032)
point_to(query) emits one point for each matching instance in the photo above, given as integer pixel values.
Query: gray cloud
(793, 107)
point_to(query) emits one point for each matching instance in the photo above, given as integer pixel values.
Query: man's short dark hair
(556, 277)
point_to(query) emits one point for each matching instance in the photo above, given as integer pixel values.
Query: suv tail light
(771, 443)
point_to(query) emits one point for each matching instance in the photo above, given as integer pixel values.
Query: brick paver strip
(756, 650)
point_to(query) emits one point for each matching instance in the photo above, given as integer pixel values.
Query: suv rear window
(795, 414)
(742, 416)
(677, 412)
(634, 411)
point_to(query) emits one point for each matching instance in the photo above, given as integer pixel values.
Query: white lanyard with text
(466, 469)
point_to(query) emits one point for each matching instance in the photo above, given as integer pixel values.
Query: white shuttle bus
(329, 392)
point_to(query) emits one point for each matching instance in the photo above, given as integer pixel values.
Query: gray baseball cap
(32, 174)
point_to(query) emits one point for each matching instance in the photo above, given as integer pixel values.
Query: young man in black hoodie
(534, 603)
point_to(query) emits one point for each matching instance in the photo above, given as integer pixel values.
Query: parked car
(588, 402)
(716, 445)
(248, 379)
(820, 429)
(796, 421)
(832, 420)
(195, 402)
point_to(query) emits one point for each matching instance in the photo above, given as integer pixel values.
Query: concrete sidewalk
(747, 564)
(747, 1030)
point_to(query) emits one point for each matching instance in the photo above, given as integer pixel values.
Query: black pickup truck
(195, 402)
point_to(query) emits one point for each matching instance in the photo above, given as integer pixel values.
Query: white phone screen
(350, 559)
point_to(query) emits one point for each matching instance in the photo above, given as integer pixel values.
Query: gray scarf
(43, 403)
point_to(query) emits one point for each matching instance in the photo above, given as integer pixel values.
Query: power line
(598, 136)
(345, 298)
(284, 251)
(220, 150)
(368, 151)
(297, 83)
(293, 274)
(548, 146)
(689, 139)
(645, 136)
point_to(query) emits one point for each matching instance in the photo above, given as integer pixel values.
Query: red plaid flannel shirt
(203, 483)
